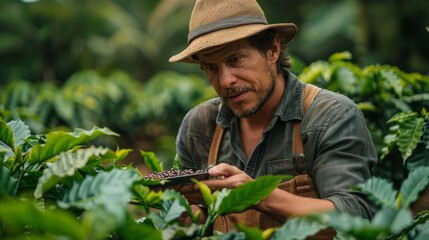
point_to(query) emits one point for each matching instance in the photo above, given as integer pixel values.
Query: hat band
(225, 23)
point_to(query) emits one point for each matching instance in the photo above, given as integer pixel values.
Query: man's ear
(274, 52)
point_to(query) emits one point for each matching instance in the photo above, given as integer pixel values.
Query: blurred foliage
(57, 186)
(77, 63)
(143, 114)
(51, 40)
(381, 91)
(148, 115)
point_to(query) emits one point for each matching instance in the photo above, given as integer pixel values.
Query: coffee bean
(172, 173)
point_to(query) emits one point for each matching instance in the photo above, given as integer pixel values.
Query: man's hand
(227, 176)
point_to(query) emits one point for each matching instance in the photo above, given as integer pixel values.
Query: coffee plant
(59, 183)
(54, 186)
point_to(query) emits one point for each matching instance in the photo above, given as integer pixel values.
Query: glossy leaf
(426, 132)
(249, 194)
(18, 217)
(297, 228)
(409, 136)
(348, 226)
(66, 165)
(251, 233)
(172, 194)
(132, 230)
(110, 190)
(121, 154)
(340, 56)
(60, 141)
(419, 158)
(151, 161)
(20, 132)
(379, 190)
(205, 192)
(6, 134)
(153, 198)
(402, 219)
(403, 117)
(171, 210)
(8, 183)
(416, 182)
(218, 197)
(393, 80)
(389, 142)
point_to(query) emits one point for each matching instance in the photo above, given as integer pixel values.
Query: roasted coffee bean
(172, 173)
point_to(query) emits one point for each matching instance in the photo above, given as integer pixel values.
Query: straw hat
(217, 22)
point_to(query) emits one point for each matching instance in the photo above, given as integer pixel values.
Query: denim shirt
(337, 144)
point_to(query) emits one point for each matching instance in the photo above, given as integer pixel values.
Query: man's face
(241, 75)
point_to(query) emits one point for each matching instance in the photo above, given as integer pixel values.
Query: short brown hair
(263, 42)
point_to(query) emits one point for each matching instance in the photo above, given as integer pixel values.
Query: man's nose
(227, 77)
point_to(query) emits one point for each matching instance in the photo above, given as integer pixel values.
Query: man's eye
(208, 67)
(234, 60)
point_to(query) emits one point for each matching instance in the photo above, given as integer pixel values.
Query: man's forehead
(221, 50)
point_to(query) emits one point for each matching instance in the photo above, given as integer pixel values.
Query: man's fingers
(224, 170)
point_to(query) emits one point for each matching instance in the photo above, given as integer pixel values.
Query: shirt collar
(291, 105)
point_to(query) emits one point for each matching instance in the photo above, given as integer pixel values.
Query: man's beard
(267, 93)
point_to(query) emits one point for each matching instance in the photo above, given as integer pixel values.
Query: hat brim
(286, 32)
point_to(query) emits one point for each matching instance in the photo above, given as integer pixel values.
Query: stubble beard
(266, 95)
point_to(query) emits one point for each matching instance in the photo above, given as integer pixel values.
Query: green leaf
(6, 134)
(340, 56)
(132, 230)
(402, 219)
(151, 161)
(424, 233)
(172, 194)
(251, 233)
(313, 72)
(409, 135)
(426, 132)
(205, 192)
(420, 157)
(393, 80)
(171, 210)
(367, 107)
(249, 194)
(121, 154)
(20, 132)
(379, 190)
(61, 141)
(384, 217)
(218, 197)
(403, 117)
(66, 165)
(8, 183)
(146, 197)
(18, 217)
(416, 182)
(110, 190)
(389, 142)
(298, 228)
(99, 222)
(348, 225)
(176, 231)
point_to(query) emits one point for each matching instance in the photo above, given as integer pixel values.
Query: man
(260, 101)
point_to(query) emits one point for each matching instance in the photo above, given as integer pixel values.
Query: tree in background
(51, 40)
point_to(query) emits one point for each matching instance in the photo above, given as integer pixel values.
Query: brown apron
(301, 185)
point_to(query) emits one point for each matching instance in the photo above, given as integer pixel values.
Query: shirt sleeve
(344, 157)
(195, 135)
